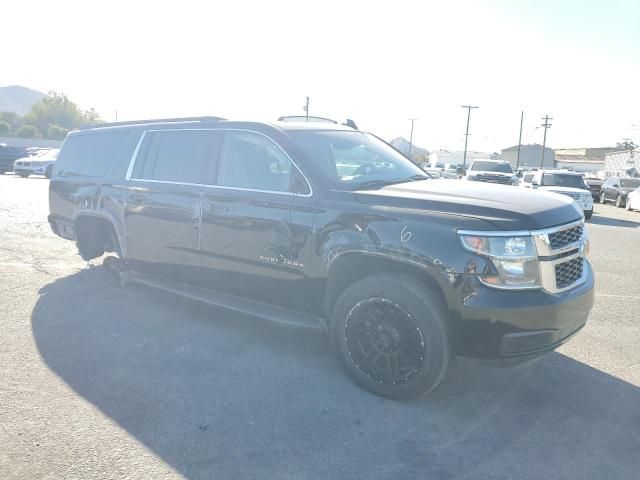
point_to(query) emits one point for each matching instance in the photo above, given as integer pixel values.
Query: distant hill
(402, 144)
(15, 98)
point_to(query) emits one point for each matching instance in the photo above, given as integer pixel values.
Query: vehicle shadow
(219, 395)
(613, 222)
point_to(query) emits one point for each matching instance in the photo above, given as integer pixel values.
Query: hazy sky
(376, 62)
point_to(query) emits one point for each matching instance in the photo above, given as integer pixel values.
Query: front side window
(352, 159)
(252, 161)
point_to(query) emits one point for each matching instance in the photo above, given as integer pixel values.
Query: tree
(626, 144)
(56, 109)
(13, 119)
(28, 131)
(56, 132)
(5, 128)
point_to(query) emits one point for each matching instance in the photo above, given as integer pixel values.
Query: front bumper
(31, 169)
(498, 324)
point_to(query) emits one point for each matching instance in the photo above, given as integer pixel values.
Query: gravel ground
(99, 382)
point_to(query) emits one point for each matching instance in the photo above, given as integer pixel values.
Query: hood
(552, 188)
(506, 207)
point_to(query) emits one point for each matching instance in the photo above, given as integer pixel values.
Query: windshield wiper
(379, 183)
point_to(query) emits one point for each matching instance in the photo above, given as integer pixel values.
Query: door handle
(212, 208)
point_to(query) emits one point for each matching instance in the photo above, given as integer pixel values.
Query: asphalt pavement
(99, 381)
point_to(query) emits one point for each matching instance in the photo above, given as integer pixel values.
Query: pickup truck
(322, 226)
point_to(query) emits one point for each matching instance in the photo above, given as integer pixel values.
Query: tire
(378, 314)
(603, 199)
(588, 214)
(47, 172)
(619, 201)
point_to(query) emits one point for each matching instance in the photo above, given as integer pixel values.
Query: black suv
(323, 226)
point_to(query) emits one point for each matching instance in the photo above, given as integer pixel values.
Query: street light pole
(411, 137)
(546, 125)
(519, 140)
(306, 109)
(466, 136)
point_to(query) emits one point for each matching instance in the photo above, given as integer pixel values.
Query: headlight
(515, 260)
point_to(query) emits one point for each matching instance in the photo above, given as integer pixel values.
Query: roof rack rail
(154, 120)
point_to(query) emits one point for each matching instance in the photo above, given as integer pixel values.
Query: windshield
(629, 182)
(48, 154)
(491, 167)
(351, 158)
(563, 180)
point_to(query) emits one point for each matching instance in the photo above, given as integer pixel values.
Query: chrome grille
(494, 179)
(565, 237)
(568, 273)
(574, 195)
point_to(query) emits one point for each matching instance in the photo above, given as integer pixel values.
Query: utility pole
(306, 108)
(519, 140)
(546, 125)
(116, 116)
(466, 136)
(411, 137)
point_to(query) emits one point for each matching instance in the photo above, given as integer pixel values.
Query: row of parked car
(27, 161)
(624, 192)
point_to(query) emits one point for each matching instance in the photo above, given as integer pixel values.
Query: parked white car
(39, 164)
(491, 171)
(633, 200)
(565, 183)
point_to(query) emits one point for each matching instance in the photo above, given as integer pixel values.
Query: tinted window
(528, 178)
(491, 167)
(629, 182)
(89, 155)
(563, 180)
(250, 160)
(177, 156)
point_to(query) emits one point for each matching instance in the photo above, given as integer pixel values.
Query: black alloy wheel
(384, 341)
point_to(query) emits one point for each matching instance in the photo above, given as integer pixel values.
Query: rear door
(250, 242)
(163, 209)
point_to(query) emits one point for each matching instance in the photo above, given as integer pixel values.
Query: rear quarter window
(89, 155)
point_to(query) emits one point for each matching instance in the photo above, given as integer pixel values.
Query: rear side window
(528, 178)
(185, 156)
(89, 155)
(251, 161)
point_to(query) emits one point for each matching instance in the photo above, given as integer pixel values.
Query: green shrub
(56, 132)
(5, 128)
(27, 131)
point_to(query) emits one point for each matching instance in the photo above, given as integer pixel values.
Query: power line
(466, 135)
(546, 125)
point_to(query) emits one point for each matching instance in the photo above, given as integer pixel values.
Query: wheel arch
(349, 267)
(94, 227)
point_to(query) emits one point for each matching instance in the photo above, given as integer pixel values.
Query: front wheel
(619, 201)
(390, 331)
(588, 214)
(603, 199)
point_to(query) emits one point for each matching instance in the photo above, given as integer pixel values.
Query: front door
(248, 240)
(163, 207)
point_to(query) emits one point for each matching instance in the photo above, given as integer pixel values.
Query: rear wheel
(390, 331)
(588, 214)
(603, 199)
(619, 201)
